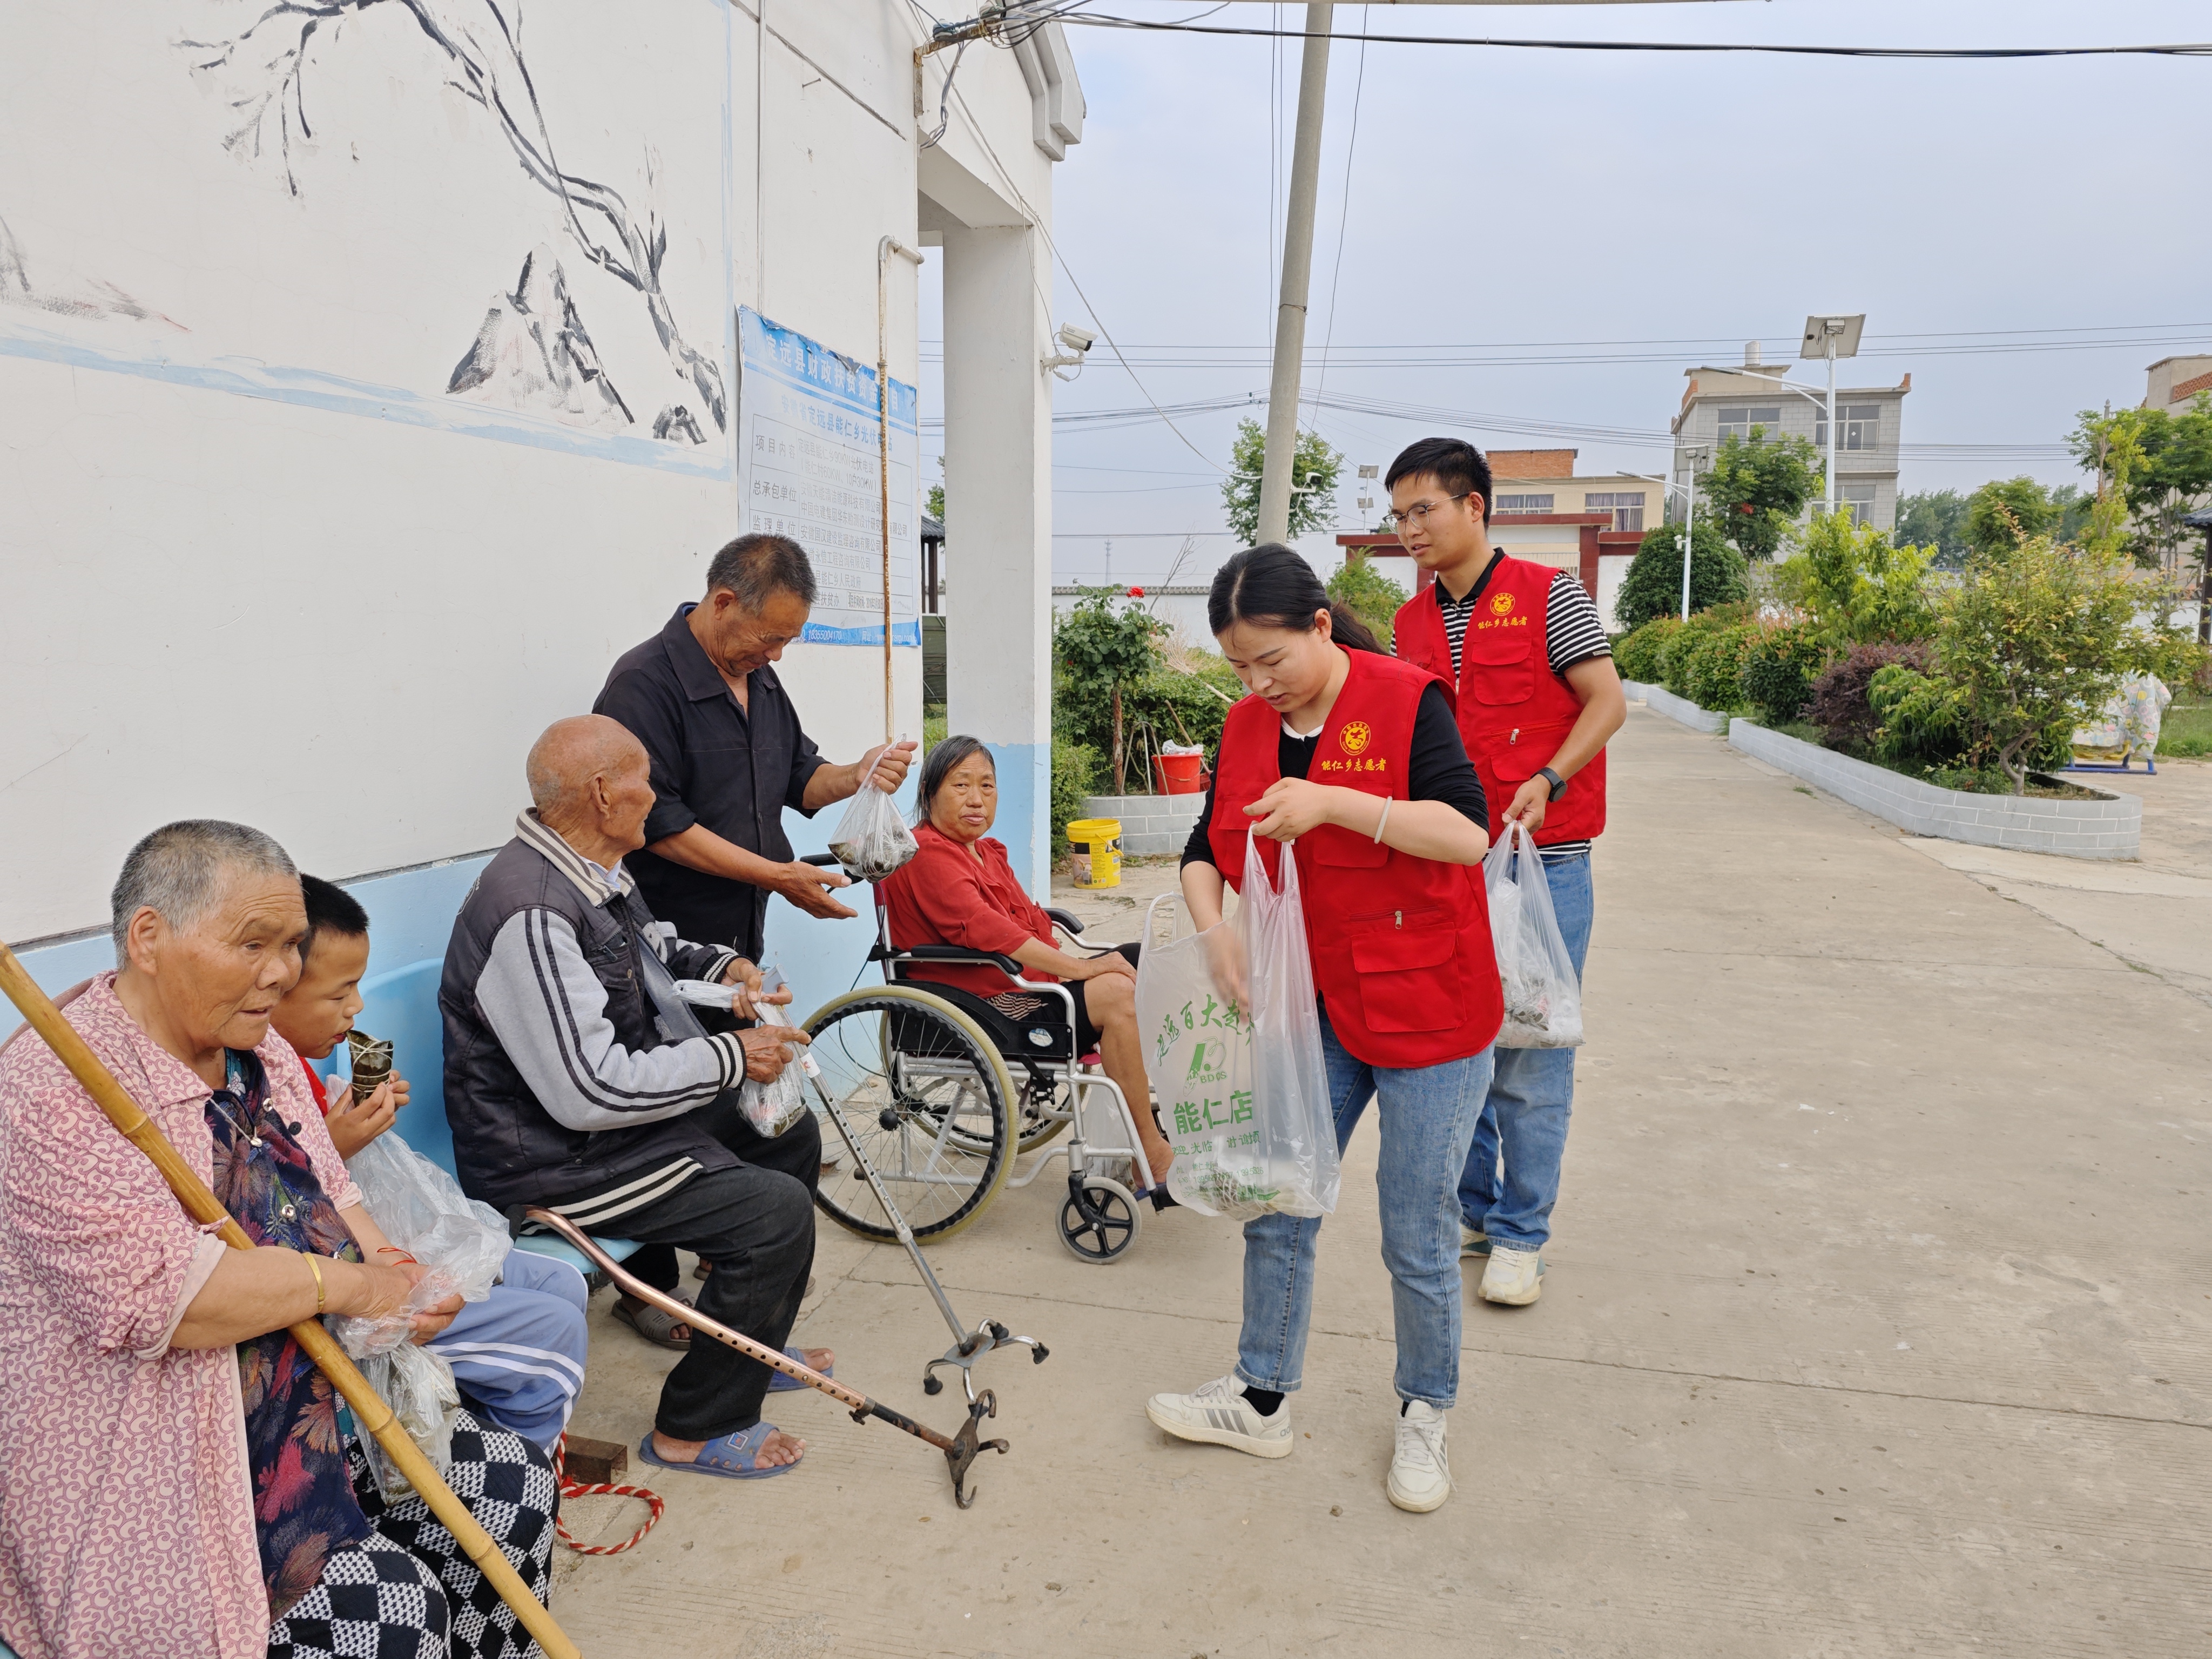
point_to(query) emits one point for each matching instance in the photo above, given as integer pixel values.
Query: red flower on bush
(1136, 592)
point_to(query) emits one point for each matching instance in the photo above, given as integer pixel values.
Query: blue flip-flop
(733, 1456)
(780, 1383)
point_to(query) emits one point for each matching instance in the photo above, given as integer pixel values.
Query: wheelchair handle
(822, 860)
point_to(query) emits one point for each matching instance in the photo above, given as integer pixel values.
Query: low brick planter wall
(2110, 828)
(1153, 826)
(1661, 701)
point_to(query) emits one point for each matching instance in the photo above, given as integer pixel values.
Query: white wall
(258, 562)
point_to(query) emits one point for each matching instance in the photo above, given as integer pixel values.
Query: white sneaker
(1219, 1414)
(1471, 1242)
(1420, 1471)
(1513, 1277)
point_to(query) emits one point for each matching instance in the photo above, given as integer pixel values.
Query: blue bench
(401, 1006)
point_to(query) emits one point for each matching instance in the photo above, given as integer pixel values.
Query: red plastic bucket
(1180, 775)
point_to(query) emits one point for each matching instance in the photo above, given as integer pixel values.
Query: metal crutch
(960, 1452)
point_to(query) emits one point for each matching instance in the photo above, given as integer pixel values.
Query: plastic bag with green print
(1232, 1044)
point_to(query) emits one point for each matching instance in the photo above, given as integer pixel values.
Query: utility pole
(1298, 271)
(1298, 256)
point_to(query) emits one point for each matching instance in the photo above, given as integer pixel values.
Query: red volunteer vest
(1401, 945)
(1514, 713)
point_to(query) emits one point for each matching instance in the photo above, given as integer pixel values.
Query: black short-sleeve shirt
(713, 763)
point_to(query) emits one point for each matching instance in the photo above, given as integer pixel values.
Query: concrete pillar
(998, 527)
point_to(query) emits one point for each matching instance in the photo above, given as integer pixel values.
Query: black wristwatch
(1558, 784)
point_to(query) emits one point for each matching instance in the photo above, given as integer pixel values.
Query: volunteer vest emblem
(1355, 737)
(1501, 605)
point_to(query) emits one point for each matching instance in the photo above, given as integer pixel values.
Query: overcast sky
(1685, 204)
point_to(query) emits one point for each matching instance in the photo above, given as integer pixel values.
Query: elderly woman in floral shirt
(175, 1477)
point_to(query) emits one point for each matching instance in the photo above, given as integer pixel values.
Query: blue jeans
(1531, 1095)
(1427, 1115)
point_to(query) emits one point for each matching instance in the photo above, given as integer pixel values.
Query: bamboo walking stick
(319, 1346)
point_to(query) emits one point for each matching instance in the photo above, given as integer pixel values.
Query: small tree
(1369, 595)
(1314, 468)
(1936, 518)
(1653, 585)
(2003, 510)
(1757, 487)
(1101, 649)
(1857, 585)
(2036, 639)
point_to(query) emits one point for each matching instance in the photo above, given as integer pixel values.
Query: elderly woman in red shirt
(959, 890)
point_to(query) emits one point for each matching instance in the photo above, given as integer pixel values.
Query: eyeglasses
(1416, 517)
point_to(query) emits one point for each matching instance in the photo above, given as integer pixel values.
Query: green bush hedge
(1779, 669)
(1074, 775)
(1640, 654)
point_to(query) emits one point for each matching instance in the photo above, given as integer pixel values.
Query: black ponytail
(1272, 587)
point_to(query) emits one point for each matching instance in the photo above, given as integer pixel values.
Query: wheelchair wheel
(1099, 1219)
(929, 1103)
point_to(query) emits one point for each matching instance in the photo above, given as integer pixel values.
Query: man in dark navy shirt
(728, 752)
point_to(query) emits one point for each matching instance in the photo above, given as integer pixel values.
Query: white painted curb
(1661, 701)
(2111, 827)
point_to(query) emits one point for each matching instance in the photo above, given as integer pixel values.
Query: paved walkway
(1876, 1324)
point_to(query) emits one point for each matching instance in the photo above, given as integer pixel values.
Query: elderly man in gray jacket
(577, 1079)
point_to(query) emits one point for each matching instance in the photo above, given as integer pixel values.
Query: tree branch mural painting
(262, 71)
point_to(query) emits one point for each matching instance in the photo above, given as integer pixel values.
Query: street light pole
(1689, 512)
(1298, 271)
(1832, 426)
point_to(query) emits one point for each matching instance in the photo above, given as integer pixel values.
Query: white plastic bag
(423, 1210)
(872, 838)
(1543, 994)
(418, 1385)
(1242, 1080)
(772, 1107)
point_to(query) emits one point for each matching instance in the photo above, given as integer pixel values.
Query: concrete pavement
(1876, 1324)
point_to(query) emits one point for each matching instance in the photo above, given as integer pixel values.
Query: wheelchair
(941, 1094)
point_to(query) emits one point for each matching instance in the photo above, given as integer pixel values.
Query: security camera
(1076, 339)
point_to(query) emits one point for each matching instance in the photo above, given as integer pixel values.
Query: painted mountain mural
(533, 354)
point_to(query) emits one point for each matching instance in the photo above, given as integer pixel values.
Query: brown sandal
(653, 1324)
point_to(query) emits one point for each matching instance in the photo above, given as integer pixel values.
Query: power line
(2183, 49)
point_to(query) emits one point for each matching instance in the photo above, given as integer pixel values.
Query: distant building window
(1627, 507)
(1738, 423)
(1858, 499)
(1859, 427)
(1525, 503)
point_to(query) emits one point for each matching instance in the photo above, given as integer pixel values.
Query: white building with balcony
(1719, 403)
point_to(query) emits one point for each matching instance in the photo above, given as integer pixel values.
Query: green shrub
(1920, 723)
(1640, 653)
(1653, 585)
(1778, 670)
(1712, 666)
(1074, 774)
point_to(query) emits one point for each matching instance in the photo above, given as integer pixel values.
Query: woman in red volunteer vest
(1537, 696)
(1349, 760)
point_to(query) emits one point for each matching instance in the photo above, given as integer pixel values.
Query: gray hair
(179, 872)
(756, 567)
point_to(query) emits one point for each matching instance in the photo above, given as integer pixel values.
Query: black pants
(755, 1224)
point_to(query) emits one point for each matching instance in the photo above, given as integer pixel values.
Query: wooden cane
(319, 1346)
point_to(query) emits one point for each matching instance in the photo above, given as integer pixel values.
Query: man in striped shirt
(578, 1078)
(1532, 733)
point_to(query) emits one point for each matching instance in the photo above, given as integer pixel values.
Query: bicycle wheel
(928, 1102)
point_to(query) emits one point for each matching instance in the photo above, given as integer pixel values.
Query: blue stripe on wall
(411, 911)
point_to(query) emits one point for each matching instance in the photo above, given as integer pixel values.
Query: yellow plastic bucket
(1095, 848)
